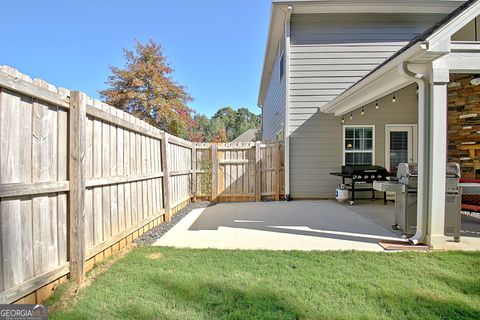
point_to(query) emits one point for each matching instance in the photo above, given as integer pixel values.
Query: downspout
(423, 135)
(261, 125)
(287, 103)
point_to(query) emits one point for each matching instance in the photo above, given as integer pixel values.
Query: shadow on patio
(296, 225)
(325, 219)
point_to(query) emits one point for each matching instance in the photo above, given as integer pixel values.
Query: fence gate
(240, 172)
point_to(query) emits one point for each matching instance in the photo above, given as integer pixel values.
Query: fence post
(76, 126)
(214, 156)
(277, 171)
(194, 173)
(258, 172)
(166, 176)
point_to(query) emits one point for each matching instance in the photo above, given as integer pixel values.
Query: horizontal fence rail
(76, 177)
(242, 171)
(79, 178)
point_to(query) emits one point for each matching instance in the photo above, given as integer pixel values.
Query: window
(358, 145)
(282, 65)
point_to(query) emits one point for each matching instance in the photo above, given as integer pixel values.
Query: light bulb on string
(394, 99)
(376, 105)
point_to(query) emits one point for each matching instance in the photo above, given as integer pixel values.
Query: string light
(376, 105)
(351, 116)
(363, 111)
(394, 99)
(343, 119)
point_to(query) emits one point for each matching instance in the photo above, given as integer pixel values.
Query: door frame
(388, 128)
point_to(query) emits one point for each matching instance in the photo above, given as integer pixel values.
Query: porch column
(437, 158)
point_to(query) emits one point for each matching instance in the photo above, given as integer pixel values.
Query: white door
(400, 145)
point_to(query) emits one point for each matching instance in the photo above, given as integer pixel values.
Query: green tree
(236, 122)
(225, 125)
(244, 120)
(201, 130)
(146, 89)
(225, 117)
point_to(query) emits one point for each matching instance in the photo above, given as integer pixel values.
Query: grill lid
(407, 170)
(453, 169)
(363, 169)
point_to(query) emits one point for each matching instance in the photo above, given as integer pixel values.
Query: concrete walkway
(296, 225)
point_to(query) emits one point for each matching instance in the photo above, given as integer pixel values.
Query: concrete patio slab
(296, 225)
(385, 216)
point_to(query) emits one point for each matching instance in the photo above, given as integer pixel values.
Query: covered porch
(427, 63)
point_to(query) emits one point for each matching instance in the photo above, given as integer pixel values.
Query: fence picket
(123, 176)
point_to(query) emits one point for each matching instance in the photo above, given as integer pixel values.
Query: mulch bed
(156, 233)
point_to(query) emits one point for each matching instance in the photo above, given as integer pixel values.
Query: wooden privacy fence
(77, 177)
(80, 179)
(242, 171)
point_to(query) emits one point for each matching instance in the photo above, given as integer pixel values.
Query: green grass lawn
(164, 283)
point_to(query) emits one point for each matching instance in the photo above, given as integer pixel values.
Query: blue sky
(215, 46)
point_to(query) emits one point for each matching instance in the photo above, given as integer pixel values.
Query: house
(366, 82)
(248, 136)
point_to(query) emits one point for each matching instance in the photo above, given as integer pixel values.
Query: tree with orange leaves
(145, 88)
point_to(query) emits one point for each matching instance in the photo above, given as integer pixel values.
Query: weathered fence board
(78, 177)
(77, 172)
(33, 142)
(121, 185)
(241, 171)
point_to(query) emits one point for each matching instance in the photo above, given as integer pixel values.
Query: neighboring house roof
(247, 136)
(445, 27)
(279, 10)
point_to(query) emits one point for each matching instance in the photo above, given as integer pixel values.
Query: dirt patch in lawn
(154, 256)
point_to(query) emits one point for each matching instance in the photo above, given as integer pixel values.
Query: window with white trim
(358, 145)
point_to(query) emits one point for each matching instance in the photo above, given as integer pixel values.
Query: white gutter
(423, 136)
(287, 103)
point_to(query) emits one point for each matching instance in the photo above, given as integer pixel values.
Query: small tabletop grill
(362, 175)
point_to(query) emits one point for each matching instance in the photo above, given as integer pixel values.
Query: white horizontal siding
(315, 151)
(316, 145)
(331, 52)
(273, 114)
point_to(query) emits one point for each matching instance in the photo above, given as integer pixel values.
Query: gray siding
(329, 53)
(317, 145)
(273, 113)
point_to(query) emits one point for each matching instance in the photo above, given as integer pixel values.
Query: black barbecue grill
(362, 176)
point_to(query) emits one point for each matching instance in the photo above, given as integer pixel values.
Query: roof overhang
(370, 6)
(387, 79)
(384, 80)
(279, 12)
